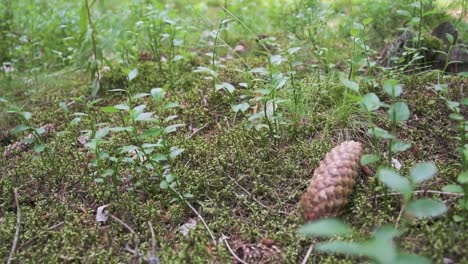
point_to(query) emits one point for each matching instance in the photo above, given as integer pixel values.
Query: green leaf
(132, 74)
(38, 148)
(325, 228)
(369, 159)
(456, 117)
(411, 259)
(171, 105)
(158, 93)
(3, 100)
(224, 85)
(423, 171)
(350, 84)
(170, 177)
(276, 59)
(163, 184)
(175, 152)
(394, 181)
(129, 148)
(393, 88)
(83, 20)
(109, 109)
(122, 107)
(342, 247)
(146, 116)
(379, 133)
(464, 100)
(463, 178)
(426, 208)
(20, 128)
(371, 102)
(26, 115)
(452, 188)
(398, 112)
(398, 146)
(101, 133)
(172, 128)
(240, 107)
(140, 95)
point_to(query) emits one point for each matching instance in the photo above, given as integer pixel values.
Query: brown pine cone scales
(333, 182)
(261, 253)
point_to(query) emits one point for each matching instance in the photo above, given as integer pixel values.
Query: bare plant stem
(224, 239)
(309, 251)
(419, 192)
(18, 225)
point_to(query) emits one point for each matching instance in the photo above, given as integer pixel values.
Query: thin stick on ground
(18, 224)
(137, 239)
(419, 192)
(224, 238)
(152, 258)
(397, 223)
(197, 214)
(309, 251)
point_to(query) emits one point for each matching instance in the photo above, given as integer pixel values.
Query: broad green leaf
(423, 171)
(398, 112)
(132, 74)
(398, 146)
(38, 148)
(140, 95)
(411, 259)
(158, 93)
(342, 247)
(171, 105)
(456, 117)
(293, 50)
(122, 107)
(26, 115)
(62, 106)
(463, 178)
(101, 133)
(224, 85)
(350, 84)
(240, 107)
(371, 102)
(172, 128)
(39, 130)
(175, 152)
(452, 188)
(207, 70)
(170, 177)
(163, 184)
(3, 100)
(276, 59)
(465, 100)
(369, 159)
(146, 116)
(379, 133)
(394, 181)
(20, 128)
(129, 148)
(109, 109)
(426, 208)
(325, 228)
(393, 88)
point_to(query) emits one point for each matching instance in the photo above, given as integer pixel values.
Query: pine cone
(260, 253)
(333, 182)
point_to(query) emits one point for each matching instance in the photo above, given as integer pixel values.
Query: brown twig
(397, 223)
(309, 251)
(418, 192)
(18, 224)
(196, 213)
(137, 239)
(152, 258)
(224, 238)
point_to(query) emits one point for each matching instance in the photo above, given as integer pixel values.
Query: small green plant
(382, 248)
